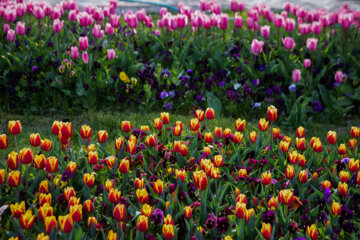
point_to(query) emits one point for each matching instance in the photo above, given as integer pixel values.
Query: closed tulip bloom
(142, 195)
(218, 132)
(110, 162)
(14, 178)
(272, 113)
(27, 220)
(35, 139)
(73, 201)
(119, 212)
(265, 31)
(40, 161)
(286, 197)
(69, 192)
(66, 130)
(210, 113)
(311, 44)
(355, 132)
(151, 140)
(165, 117)
(85, 57)
(187, 212)
(85, 132)
(52, 164)
(142, 223)
(238, 136)
(303, 177)
(45, 211)
(66, 223)
(89, 179)
(177, 131)
(13, 160)
(42, 236)
(71, 166)
(139, 183)
(74, 52)
(312, 141)
(344, 176)
(352, 143)
(4, 142)
(14, 127)
(146, 210)
(26, 156)
(102, 136)
(336, 209)
(112, 235)
(56, 126)
(194, 124)
(114, 195)
(317, 146)
(256, 46)
(290, 172)
(119, 142)
(200, 115)
(288, 42)
(326, 184)
(126, 126)
(248, 214)
(342, 189)
(83, 43)
(58, 25)
(168, 231)
(273, 203)
(241, 198)
(46, 145)
(2, 176)
(10, 36)
(124, 166)
(157, 124)
(158, 186)
(238, 21)
(312, 232)
(353, 165)
(300, 144)
(20, 28)
(218, 160)
(266, 178)
(17, 209)
(208, 137)
(92, 221)
(284, 146)
(44, 198)
(227, 133)
(331, 137)
(111, 54)
(307, 63)
(200, 180)
(263, 125)
(88, 206)
(93, 157)
(296, 75)
(242, 173)
(293, 157)
(300, 132)
(266, 230)
(289, 24)
(316, 27)
(240, 210)
(253, 136)
(240, 125)
(339, 77)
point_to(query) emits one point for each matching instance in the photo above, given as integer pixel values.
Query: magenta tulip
(115, 20)
(111, 54)
(10, 35)
(85, 19)
(20, 28)
(10, 14)
(58, 25)
(224, 21)
(85, 57)
(109, 29)
(289, 24)
(238, 21)
(345, 20)
(307, 63)
(265, 31)
(6, 27)
(97, 32)
(20, 10)
(289, 43)
(72, 16)
(278, 20)
(74, 52)
(250, 23)
(256, 46)
(311, 44)
(316, 27)
(339, 77)
(296, 75)
(38, 12)
(304, 28)
(83, 43)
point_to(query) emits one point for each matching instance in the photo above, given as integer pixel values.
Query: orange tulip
(227, 133)
(353, 165)
(52, 164)
(180, 174)
(248, 214)
(290, 172)
(145, 128)
(114, 195)
(66, 223)
(42, 236)
(293, 157)
(266, 230)
(194, 124)
(286, 197)
(4, 142)
(125, 126)
(40, 161)
(242, 173)
(273, 203)
(35, 139)
(355, 132)
(13, 160)
(93, 157)
(342, 149)
(102, 136)
(14, 127)
(240, 210)
(266, 178)
(66, 130)
(199, 114)
(300, 144)
(71, 166)
(157, 124)
(44, 198)
(14, 178)
(300, 132)
(187, 212)
(200, 180)
(142, 223)
(263, 125)
(218, 160)
(112, 235)
(92, 221)
(142, 195)
(312, 232)
(88, 206)
(45, 211)
(69, 192)
(119, 143)
(177, 131)
(55, 129)
(124, 166)
(272, 113)
(27, 220)
(85, 132)
(89, 179)
(303, 177)
(131, 147)
(210, 113)
(26, 156)
(158, 186)
(165, 117)
(238, 136)
(240, 125)
(344, 176)
(253, 136)
(46, 145)
(336, 209)
(17, 209)
(275, 133)
(119, 212)
(302, 161)
(342, 189)
(331, 137)
(284, 146)
(168, 231)
(146, 210)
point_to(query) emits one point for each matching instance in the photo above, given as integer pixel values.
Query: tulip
(52, 164)
(58, 25)
(44, 198)
(339, 77)
(289, 24)
(66, 223)
(290, 172)
(66, 130)
(342, 189)
(151, 141)
(240, 210)
(256, 46)
(146, 210)
(124, 166)
(14, 178)
(248, 214)
(20, 28)
(238, 21)
(35, 139)
(200, 115)
(10, 36)
(44, 187)
(27, 220)
(97, 32)
(200, 180)
(344, 176)
(266, 178)
(112, 235)
(336, 209)
(42, 236)
(119, 143)
(316, 27)
(177, 131)
(266, 230)
(265, 31)
(13, 160)
(326, 184)
(253, 136)
(139, 183)
(142, 195)
(85, 132)
(102, 136)
(218, 160)
(342, 149)
(17, 209)
(296, 75)
(115, 20)
(88, 206)
(303, 177)
(241, 198)
(83, 43)
(210, 113)
(92, 221)
(307, 63)
(4, 142)
(352, 144)
(317, 146)
(93, 157)
(286, 197)
(85, 57)
(89, 179)
(263, 125)
(142, 223)
(14, 127)
(312, 232)
(300, 132)
(194, 124)
(165, 117)
(158, 186)
(311, 44)
(40, 161)
(272, 113)
(168, 231)
(114, 195)
(38, 12)
(157, 124)
(218, 132)
(208, 137)
(345, 19)
(237, 137)
(353, 165)
(69, 192)
(273, 203)
(284, 146)
(45, 210)
(288, 42)
(119, 212)
(46, 145)
(300, 144)
(74, 52)
(2, 176)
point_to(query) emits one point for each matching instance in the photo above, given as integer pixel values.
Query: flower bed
(60, 58)
(156, 182)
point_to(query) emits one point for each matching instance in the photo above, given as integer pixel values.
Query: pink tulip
(10, 35)
(206, 22)
(304, 28)
(234, 5)
(111, 54)
(29, 7)
(345, 20)
(182, 20)
(296, 75)
(149, 22)
(56, 13)
(97, 32)
(132, 21)
(38, 12)
(288, 7)
(301, 12)
(289, 43)
(173, 23)
(204, 6)
(20, 28)
(20, 10)
(10, 15)
(141, 14)
(72, 15)
(83, 43)
(316, 27)
(74, 52)
(250, 23)
(256, 46)
(241, 6)
(214, 19)
(84, 19)
(278, 20)
(109, 29)
(47, 9)
(289, 24)
(6, 27)
(224, 21)
(311, 44)
(325, 20)
(58, 25)
(339, 77)
(265, 31)
(115, 20)
(238, 21)
(307, 63)
(157, 32)
(98, 15)
(85, 57)
(216, 8)
(163, 11)
(253, 13)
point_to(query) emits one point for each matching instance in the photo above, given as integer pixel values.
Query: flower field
(159, 182)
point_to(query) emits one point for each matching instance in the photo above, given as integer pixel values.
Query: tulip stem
(16, 147)
(271, 137)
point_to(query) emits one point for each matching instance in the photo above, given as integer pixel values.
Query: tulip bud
(35, 139)
(272, 114)
(266, 230)
(353, 165)
(14, 178)
(303, 177)
(199, 114)
(273, 203)
(142, 195)
(142, 223)
(119, 212)
(263, 125)
(210, 113)
(312, 232)
(85, 132)
(4, 142)
(14, 127)
(27, 220)
(40, 161)
(17, 209)
(66, 223)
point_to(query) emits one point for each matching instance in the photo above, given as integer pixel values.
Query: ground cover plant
(179, 180)
(62, 58)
